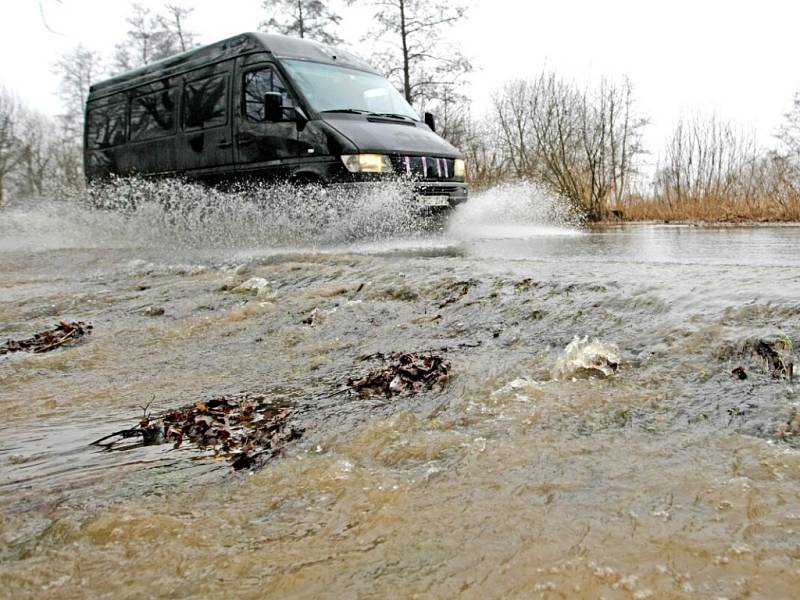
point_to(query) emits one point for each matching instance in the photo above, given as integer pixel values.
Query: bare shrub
(9, 138)
(708, 157)
(714, 171)
(582, 145)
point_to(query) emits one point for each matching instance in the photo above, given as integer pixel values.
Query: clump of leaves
(774, 361)
(401, 372)
(774, 355)
(246, 429)
(60, 335)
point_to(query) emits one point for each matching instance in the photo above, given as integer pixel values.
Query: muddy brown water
(666, 480)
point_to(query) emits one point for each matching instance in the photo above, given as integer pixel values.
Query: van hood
(390, 136)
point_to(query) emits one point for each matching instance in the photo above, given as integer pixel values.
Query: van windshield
(332, 88)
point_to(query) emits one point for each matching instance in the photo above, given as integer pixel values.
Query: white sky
(738, 58)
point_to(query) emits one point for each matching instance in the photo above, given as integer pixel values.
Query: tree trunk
(406, 65)
(179, 30)
(300, 19)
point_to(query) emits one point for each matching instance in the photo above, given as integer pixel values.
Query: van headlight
(460, 168)
(367, 163)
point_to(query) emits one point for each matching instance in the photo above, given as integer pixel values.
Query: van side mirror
(273, 106)
(430, 121)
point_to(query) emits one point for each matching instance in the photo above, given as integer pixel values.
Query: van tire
(435, 221)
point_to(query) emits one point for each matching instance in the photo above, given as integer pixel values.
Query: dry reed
(711, 209)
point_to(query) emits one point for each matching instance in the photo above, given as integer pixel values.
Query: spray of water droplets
(172, 214)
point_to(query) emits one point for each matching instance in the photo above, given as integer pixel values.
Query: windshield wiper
(360, 111)
(353, 111)
(394, 116)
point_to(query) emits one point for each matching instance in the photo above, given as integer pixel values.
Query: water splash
(516, 210)
(582, 357)
(171, 213)
(181, 216)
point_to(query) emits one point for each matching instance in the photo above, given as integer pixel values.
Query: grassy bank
(707, 210)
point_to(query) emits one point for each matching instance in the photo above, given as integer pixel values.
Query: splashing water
(582, 357)
(516, 210)
(171, 214)
(178, 214)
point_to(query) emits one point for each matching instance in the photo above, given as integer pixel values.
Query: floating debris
(410, 372)
(245, 429)
(774, 361)
(312, 317)
(153, 311)
(459, 290)
(584, 358)
(739, 373)
(774, 356)
(62, 334)
(255, 286)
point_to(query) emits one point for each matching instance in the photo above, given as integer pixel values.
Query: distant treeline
(582, 144)
(586, 146)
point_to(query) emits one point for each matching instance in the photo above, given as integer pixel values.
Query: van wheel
(435, 221)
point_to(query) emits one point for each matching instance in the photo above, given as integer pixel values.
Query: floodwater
(524, 477)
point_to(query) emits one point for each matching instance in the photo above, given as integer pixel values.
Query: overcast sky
(737, 58)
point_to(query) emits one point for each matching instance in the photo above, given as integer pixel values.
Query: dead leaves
(245, 429)
(412, 372)
(62, 334)
(249, 429)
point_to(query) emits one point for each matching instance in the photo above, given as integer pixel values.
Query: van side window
(205, 102)
(256, 84)
(153, 111)
(106, 125)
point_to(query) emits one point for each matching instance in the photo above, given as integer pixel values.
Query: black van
(267, 107)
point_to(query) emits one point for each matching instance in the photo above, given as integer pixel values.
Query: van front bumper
(427, 196)
(436, 194)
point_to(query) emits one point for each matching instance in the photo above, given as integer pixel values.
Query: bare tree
(153, 37)
(310, 19)
(35, 152)
(9, 140)
(514, 110)
(625, 136)
(413, 51)
(485, 155)
(77, 70)
(174, 22)
(781, 183)
(708, 159)
(786, 160)
(139, 47)
(581, 144)
(789, 132)
(67, 160)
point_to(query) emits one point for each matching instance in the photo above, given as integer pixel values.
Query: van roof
(280, 46)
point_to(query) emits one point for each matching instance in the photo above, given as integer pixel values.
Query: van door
(205, 142)
(260, 146)
(151, 147)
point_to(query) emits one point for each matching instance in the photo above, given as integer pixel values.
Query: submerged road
(528, 475)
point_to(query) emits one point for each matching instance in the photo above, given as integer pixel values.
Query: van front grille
(424, 167)
(438, 190)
